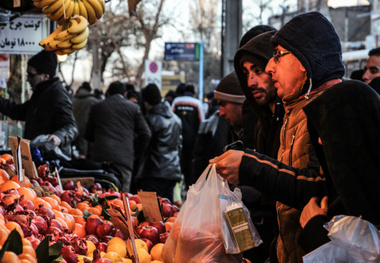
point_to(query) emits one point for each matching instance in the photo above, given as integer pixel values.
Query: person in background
(161, 168)
(49, 110)
(307, 61)
(190, 111)
(372, 67)
(118, 131)
(169, 96)
(133, 97)
(212, 104)
(82, 103)
(357, 74)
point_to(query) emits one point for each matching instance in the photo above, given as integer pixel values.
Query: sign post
(153, 73)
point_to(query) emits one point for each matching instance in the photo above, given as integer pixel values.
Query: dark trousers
(186, 160)
(162, 187)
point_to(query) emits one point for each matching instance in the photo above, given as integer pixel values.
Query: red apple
(136, 198)
(102, 246)
(159, 225)
(92, 224)
(104, 229)
(167, 209)
(148, 232)
(69, 185)
(148, 243)
(163, 237)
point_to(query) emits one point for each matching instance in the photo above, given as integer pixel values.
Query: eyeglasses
(279, 53)
(31, 75)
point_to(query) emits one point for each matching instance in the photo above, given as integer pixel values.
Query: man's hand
(55, 139)
(227, 165)
(312, 209)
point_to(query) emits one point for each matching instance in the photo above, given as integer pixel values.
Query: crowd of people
(300, 142)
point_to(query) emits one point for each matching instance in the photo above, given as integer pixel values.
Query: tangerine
(116, 240)
(90, 247)
(8, 185)
(80, 230)
(40, 202)
(156, 251)
(10, 257)
(28, 193)
(26, 179)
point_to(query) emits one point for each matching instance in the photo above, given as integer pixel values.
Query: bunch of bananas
(58, 10)
(69, 37)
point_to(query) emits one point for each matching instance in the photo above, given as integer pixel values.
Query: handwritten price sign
(22, 35)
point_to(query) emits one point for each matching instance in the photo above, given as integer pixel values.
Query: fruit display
(68, 37)
(58, 10)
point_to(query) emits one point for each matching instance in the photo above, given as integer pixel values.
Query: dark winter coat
(162, 156)
(49, 111)
(82, 103)
(118, 130)
(347, 119)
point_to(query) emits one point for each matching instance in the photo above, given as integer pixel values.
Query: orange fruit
(139, 207)
(80, 230)
(39, 201)
(168, 226)
(132, 205)
(54, 196)
(10, 257)
(156, 251)
(4, 175)
(13, 225)
(90, 247)
(79, 220)
(27, 257)
(63, 209)
(65, 204)
(8, 185)
(53, 203)
(29, 250)
(83, 206)
(26, 179)
(28, 193)
(75, 212)
(117, 248)
(4, 233)
(94, 211)
(171, 219)
(116, 240)
(69, 219)
(139, 243)
(7, 157)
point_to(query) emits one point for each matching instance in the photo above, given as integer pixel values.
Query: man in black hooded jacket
(307, 61)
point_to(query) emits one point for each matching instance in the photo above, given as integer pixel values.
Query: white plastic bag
(196, 235)
(353, 240)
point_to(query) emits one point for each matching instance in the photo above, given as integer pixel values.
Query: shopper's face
(372, 69)
(33, 77)
(259, 83)
(287, 72)
(232, 112)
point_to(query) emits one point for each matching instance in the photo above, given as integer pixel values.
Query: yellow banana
(97, 8)
(90, 12)
(80, 45)
(80, 37)
(70, 9)
(49, 38)
(64, 35)
(82, 24)
(52, 45)
(65, 44)
(103, 5)
(44, 3)
(76, 8)
(82, 9)
(53, 7)
(64, 51)
(60, 11)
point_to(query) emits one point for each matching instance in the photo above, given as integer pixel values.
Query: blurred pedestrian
(372, 67)
(49, 110)
(118, 131)
(190, 111)
(82, 103)
(161, 168)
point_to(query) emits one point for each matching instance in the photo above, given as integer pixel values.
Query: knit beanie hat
(313, 40)
(253, 32)
(116, 87)
(151, 94)
(229, 89)
(44, 62)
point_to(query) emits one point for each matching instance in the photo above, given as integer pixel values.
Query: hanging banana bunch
(58, 10)
(69, 37)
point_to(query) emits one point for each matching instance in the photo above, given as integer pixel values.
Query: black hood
(315, 43)
(347, 119)
(258, 51)
(163, 109)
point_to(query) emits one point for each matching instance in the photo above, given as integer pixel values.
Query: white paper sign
(153, 73)
(22, 35)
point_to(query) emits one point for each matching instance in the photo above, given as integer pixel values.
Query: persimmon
(70, 221)
(28, 258)
(79, 220)
(54, 196)
(94, 211)
(26, 179)
(38, 202)
(13, 225)
(80, 230)
(28, 193)
(65, 204)
(51, 201)
(75, 211)
(9, 257)
(8, 185)
(83, 206)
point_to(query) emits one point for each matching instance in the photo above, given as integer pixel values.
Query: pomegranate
(45, 211)
(57, 224)
(68, 254)
(98, 259)
(69, 185)
(41, 224)
(27, 204)
(92, 238)
(35, 242)
(102, 247)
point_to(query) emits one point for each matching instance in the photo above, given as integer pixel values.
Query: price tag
(16, 3)
(26, 156)
(151, 206)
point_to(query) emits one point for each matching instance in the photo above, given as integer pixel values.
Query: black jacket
(347, 119)
(118, 130)
(49, 111)
(162, 155)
